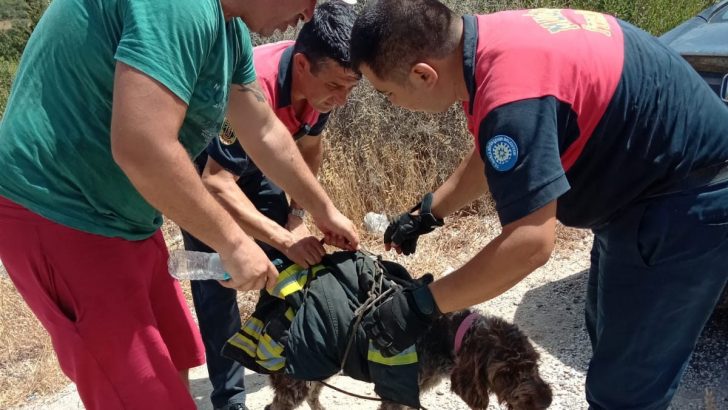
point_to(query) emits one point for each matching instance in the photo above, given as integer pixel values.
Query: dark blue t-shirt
(596, 141)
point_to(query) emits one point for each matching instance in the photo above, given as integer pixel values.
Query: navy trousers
(216, 306)
(657, 272)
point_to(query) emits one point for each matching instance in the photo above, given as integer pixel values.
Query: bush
(17, 20)
(7, 73)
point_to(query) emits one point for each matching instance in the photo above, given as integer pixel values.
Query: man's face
(327, 86)
(411, 95)
(271, 15)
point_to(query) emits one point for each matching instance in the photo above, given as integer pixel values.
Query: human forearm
(144, 143)
(273, 149)
(164, 175)
(311, 148)
(504, 262)
(279, 159)
(270, 144)
(145, 128)
(222, 185)
(465, 185)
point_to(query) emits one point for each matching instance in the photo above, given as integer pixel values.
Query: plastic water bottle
(376, 223)
(191, 265)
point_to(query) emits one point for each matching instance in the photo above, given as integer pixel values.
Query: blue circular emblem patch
(502, 152)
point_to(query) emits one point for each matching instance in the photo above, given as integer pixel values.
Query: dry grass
(28, 364)
(383, 159)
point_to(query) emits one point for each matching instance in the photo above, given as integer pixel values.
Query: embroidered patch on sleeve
(502, 152)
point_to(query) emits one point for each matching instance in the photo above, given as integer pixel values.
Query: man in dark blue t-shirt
(577, 117)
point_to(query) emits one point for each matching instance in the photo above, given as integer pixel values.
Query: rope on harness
(375, 295)
(349, 393)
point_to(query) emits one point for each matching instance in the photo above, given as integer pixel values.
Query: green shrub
(7, 72)
(18, 18)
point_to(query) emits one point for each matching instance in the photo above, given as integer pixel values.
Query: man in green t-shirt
(110, 102)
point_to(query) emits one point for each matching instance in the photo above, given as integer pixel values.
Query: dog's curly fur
(495, 357)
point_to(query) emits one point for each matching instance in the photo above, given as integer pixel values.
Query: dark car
(703, 42)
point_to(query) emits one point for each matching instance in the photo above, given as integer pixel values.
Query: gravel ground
(548, 306)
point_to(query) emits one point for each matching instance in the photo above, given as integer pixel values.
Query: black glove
(406, 228)
(401, 319)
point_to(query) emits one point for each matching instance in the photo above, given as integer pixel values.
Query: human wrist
(283, 240)
(425, 208)
(424, 302)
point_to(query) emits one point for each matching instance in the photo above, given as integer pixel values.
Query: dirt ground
(548, 306)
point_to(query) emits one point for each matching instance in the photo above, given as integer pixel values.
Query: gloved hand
(404, 230)
(401, 319)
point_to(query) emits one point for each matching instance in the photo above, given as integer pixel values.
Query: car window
(721, 16)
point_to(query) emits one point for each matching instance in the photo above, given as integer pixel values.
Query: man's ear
(301, 63)
(423, 75)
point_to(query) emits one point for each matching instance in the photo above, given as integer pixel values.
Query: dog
(481, 354)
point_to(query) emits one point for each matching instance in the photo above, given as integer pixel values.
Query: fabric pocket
(680, 228)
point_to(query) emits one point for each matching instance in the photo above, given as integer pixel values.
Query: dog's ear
(469, 378)
(468, 381)
(513, 369)
(497, 357)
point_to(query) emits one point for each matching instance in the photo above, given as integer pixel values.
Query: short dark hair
(327, 34)
(390, 36)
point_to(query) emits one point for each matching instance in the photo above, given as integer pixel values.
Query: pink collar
(462, 329)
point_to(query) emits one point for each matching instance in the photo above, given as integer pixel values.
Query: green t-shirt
(55, 133)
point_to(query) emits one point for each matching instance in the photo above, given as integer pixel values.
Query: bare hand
(249, 268)
(305, 252)
(339, 231)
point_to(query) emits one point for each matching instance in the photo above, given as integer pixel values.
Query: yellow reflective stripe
(289, 272)
(290, 314)
(273, 364)
(288, 281)
(253, 326)
(407, 356)
(269, 348)
(243, 343)
(290, 288)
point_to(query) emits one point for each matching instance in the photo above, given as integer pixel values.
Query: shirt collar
(470, 45)
(285, 78)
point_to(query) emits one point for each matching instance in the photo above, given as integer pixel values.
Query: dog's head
(497, 357)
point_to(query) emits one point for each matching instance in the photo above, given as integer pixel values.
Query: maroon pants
(118, 321)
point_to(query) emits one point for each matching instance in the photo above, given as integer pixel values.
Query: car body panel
(703, 42)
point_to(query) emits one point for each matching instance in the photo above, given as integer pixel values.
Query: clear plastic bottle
(191, 265)
(376, 223)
